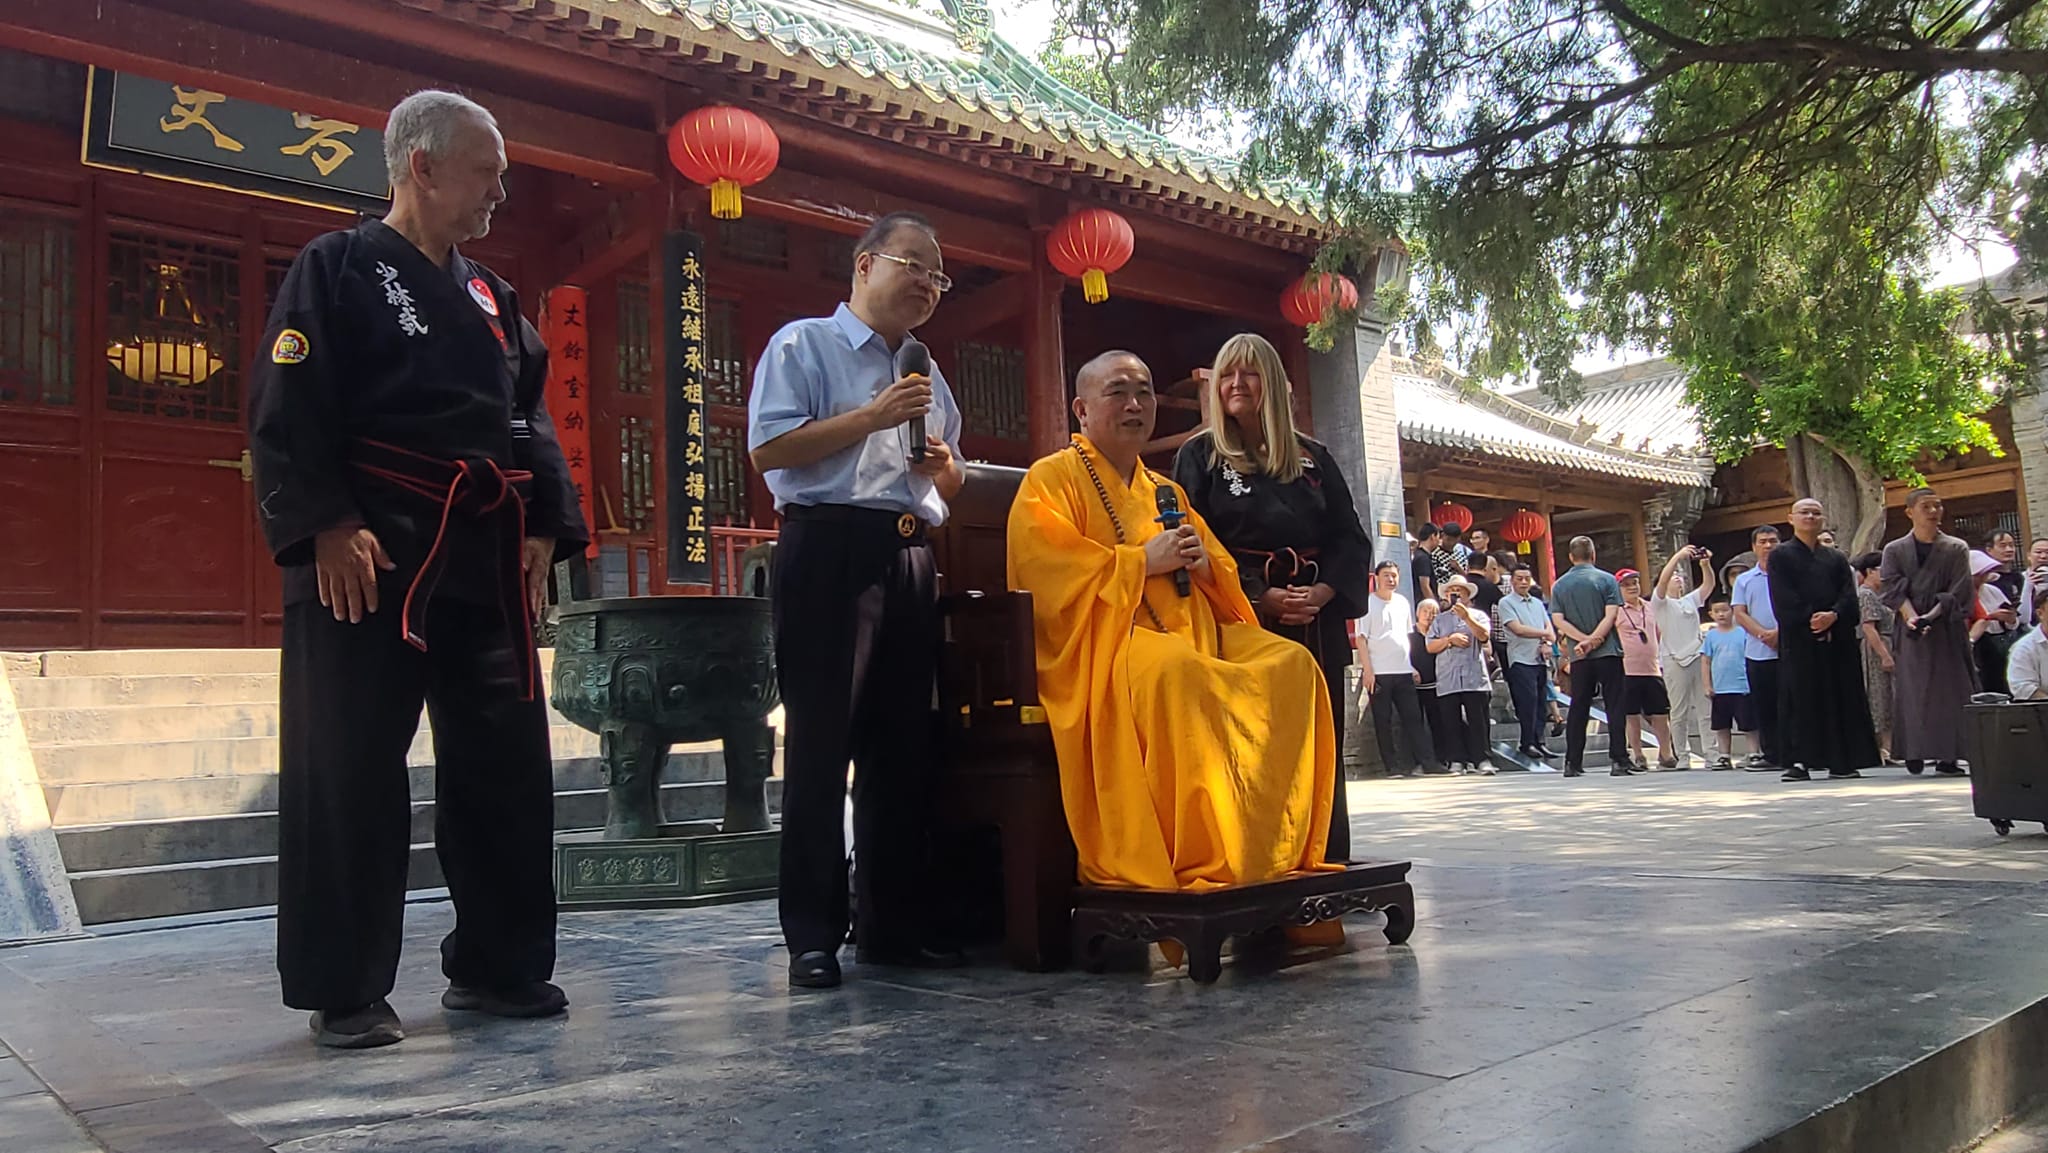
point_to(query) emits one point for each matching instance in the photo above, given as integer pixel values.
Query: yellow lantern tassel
(1095, 286)
(725, 200)
(1522, 546)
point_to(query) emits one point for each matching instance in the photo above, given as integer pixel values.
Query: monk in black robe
(1823, 715)
(411, 485)
(1278, 502)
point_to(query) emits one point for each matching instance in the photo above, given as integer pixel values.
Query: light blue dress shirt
(827, 365)
(1529, 612)
(1753, 592)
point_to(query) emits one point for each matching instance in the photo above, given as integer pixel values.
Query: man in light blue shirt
(830, 426)
(1754, 615)
(1526, 620)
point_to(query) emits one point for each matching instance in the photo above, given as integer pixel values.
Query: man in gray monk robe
(1926, 577)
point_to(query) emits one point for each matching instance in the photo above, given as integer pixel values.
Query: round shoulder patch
(481, 293)
(291, 347)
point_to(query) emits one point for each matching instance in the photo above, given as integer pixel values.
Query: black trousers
(1325, 638)
(350, 698)
(1394, 694)
(856, 651)
(1525, 685)
(1467, 722)
(1605, 675)
(1763, 701)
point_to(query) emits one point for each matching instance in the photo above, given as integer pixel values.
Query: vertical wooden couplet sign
(564, 313)
(689, 535)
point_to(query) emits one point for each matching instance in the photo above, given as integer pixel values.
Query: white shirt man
(1383, 633)
(1678, 649)
(2026, 668)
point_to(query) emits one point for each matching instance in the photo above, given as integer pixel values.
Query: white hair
(426, 122)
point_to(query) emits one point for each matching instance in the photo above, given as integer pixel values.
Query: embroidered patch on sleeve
(291, 347)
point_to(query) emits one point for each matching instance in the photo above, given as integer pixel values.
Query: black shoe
(368, 1027)
(1844, 775)
(1724, 765)
(923, 957)
(1573, 771)
(1542, 752)
(816, 969)
(1795, 773)
(1916, 767)
(534, 999)
(1950, 769)
(1557, 728)
(1623, 769)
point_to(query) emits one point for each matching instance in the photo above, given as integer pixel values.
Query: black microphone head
(913, 358)
(1169, 501)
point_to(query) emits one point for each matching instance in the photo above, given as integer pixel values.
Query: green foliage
(1750, 185)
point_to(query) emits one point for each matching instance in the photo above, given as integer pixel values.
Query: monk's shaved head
(1088, 381)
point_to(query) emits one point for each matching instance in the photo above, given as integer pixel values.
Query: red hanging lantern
(1522, 529)
(1451, 513)
(727, 148)
(1091, 244)
(1315, 296)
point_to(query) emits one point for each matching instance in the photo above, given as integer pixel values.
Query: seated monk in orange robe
(1195, 748)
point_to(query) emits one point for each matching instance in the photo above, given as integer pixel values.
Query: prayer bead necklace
(1115, 521)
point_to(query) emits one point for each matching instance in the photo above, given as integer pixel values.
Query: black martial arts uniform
(1823, 714)
(1287, 535)
(393, 394)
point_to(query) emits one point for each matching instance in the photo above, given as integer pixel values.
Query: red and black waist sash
(1284, 568)
(475, 488)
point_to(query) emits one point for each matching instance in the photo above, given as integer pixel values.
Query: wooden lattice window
(38, 350)
(725, 474)
(635, 365)
(636, 474)
(174, 329)
(837, 264)
(725, 364)
(989, 386)
(762, 243)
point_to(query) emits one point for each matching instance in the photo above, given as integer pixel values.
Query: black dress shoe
(816, 969)
(1950, 769)
(1573, 771)
(1844, 775)
(534, 999)
(1916, 767)
(923, 957)
(1795, 773)
(1622, 769)
(1544, 752)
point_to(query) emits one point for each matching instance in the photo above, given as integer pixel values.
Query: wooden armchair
(999, 770)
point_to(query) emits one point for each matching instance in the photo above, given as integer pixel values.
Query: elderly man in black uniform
(411, 485)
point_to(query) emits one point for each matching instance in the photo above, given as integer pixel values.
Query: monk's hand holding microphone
(1175, 550)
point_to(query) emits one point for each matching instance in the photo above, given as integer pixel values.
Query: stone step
(155, 662)
(49, 728)
(107, 762)
(177, 890)
(178, 798)
(141, 844)
(162, 689)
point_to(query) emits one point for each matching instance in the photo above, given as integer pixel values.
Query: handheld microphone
(1171, 516)
(914, 359)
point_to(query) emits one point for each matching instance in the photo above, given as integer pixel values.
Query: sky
(1025, 24)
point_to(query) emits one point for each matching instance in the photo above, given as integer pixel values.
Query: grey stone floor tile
(37, 1123)
(16, 1080)
(181, 1124)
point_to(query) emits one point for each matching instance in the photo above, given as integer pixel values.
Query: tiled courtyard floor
(1679, 962)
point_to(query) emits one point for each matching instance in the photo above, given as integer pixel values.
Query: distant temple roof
(1637, 406)
(882, 56)
(1433, 411)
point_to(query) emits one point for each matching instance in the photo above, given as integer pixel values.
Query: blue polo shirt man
(1751, 597)
(856, 602)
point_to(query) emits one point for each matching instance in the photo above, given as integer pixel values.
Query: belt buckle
(906, 526)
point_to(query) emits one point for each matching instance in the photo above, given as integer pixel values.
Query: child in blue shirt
(1727, 682)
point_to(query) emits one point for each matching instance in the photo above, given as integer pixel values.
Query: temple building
(161, 169)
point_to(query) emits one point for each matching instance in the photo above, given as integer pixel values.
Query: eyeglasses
(938, 280)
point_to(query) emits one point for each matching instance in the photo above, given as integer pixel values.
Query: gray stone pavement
(1676, 963)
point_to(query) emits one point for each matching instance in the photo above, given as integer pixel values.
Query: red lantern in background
(1091, 244)
(727, 148)
(1522, 529)
(1315, 296)
(1451, 513)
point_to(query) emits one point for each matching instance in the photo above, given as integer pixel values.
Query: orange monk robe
(1194, 757)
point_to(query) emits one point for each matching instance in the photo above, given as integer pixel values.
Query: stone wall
(2030, 439)
(1351, 388)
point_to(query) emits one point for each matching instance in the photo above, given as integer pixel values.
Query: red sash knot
(473, 487)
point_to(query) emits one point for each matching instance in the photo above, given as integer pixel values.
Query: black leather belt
(903, 526)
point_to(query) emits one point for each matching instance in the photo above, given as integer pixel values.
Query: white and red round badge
(481, 293)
